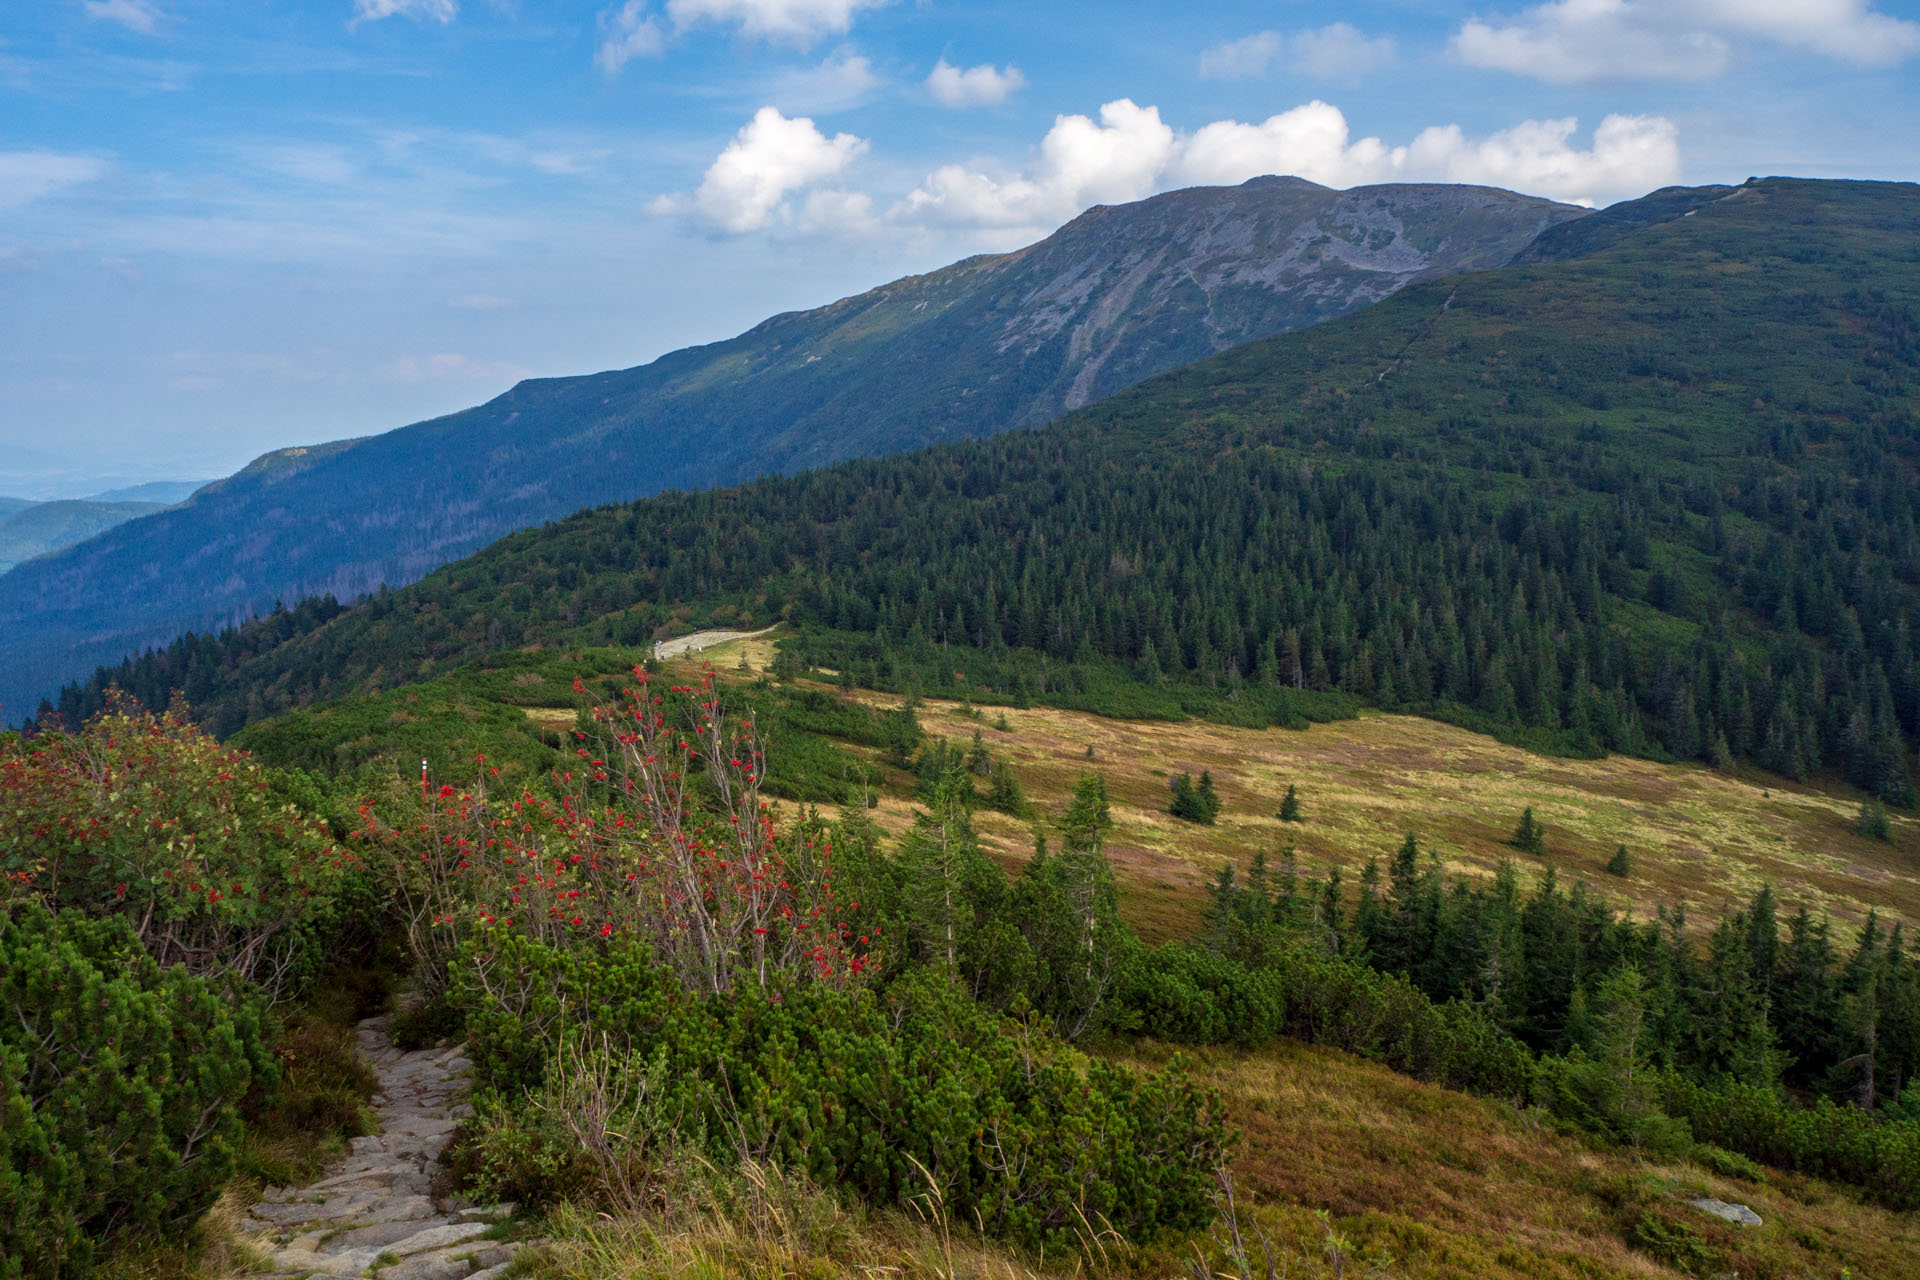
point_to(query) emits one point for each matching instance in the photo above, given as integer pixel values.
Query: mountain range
(990, 344)
(1654, 490)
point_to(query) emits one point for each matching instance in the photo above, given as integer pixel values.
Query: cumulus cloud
(1310, 141)
(441, 11)
(799, 22)
(626, 33)
(1131, 153)
(981, 86)
(1630, 155)
(1079, 163)
(1577, 41)
(134, 15)
(1239, 59)
(770, 159)
(26, 176)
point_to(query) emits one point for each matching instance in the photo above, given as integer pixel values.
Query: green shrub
(868, 1092)
(208, 856)
(120, 1092)
(1666, 1239)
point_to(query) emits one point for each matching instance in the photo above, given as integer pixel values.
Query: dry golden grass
(1693, 835)
(1433, 1183)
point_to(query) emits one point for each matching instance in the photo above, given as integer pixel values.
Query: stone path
(375, 1213)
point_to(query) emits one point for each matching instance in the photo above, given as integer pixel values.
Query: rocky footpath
(375, 1214)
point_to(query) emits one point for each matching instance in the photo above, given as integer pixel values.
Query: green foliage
(146, 817)
(871, 1092)
(1529, 836)
(1290, 805)
(1873, 822)
(1664, 1237)
(1194, 803)
(1619, 864)
(120, 1092)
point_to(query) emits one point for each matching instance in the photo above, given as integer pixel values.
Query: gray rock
(365, 1146)
(1735, 1213)
(437, 1237)
(493, 1253)
(350, 1262)
(489, 1212)
(442, 1264)
(376, 1236)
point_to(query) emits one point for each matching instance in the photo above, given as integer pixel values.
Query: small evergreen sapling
(1873, 822)
(1290, 805)
(1191, 803)
(1530, 836)
(1618, 865)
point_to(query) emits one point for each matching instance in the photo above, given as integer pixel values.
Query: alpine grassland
(1426, 795)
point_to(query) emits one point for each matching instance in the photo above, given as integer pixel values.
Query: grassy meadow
(1692, 834)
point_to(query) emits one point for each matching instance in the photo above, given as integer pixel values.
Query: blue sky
(232, 225)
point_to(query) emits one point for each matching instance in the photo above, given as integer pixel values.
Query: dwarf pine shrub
(120, 1091)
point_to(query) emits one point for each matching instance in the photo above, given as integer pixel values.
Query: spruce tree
(1529, 836)
(1190, 803)
(1873, 822)
(1618, 865)
(1088, 819)
(1208, 798)
(1290, 805)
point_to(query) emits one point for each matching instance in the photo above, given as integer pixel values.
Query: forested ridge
(989, 344)
(1657, 497)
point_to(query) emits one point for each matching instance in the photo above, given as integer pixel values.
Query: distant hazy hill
(165, 492)
(987, 345)
(36, 528)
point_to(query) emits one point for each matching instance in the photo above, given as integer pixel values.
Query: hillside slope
(987, 345)
(1660, 498)
(43, 527)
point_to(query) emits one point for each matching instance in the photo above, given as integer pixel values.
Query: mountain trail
(701, 640)
(375, 1213)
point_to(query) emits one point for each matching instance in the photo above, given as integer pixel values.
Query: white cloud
(1630, 156)
(773, 157)
(1132, 153)
(799, 22)
(1080, 163)
(1846, 29)
(981, 86)
(628, 32)
(1310, 141)
(26, 176)
(1239, 59)
(441, 11)
(1576, 41)
(842, 80)
(1339, 52)
(134, 15)
(836, 212)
